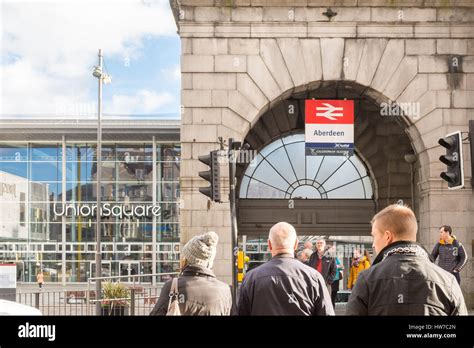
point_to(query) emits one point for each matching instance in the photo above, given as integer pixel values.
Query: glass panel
(17, 152)
(81, 171)
(40, 192)
(271, 147)
(108, 171)
(108, 153)
(354, 190)
(169, 212)
(368, 187)
(330, 164)
(344, 175)
(296, 152)
(134, 153)
(81, 230)
(80, 192)
(169, 192)
(259, 190)
(167, 231)
(46, 152)
(312, 166)
(251, 168)
(306, 192)
(169, 170)
(170, 153)
(17, 170)
(243, 186)
(80, 152)
(135, 192)
(135, 171)
(45, 171)
(279, 160)
(9, 228)
(108, 192)
(265, 173)
(359, 165)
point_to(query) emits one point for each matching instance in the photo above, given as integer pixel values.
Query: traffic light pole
(471, 141)
(233, 217)
(212, 176)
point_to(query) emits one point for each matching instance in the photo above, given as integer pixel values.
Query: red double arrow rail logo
(329, 111)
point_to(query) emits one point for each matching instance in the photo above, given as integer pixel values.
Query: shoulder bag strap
(173, 291)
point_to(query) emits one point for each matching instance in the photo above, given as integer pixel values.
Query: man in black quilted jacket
(451, 253)
(403, 280)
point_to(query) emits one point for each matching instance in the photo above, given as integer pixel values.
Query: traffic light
(212, 176)
(453, 159)
(242, 261)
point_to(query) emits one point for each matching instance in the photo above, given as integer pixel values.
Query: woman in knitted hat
(198, 290)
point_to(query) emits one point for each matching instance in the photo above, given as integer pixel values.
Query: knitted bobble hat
(201, 249)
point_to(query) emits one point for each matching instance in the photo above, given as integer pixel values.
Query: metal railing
(141, 299)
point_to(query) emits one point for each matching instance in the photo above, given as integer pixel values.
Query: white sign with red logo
(329, 127)
(7, 276)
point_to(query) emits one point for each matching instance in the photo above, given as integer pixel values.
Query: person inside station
(40, 279)
(359, 263)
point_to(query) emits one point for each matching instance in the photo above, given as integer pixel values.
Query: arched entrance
(325, 195)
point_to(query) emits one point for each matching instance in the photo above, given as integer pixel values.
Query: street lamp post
(102, 77)
(98, 255)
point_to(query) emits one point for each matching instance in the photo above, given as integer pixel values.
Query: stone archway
(381, 142)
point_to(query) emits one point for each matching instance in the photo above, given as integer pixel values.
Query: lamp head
(97, 72)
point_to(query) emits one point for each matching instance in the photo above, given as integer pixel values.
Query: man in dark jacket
(284, 285)
(403, 280)
(199, 292)
(323, 262)
(452, 255)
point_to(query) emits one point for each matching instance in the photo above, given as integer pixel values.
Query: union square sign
(120, 211)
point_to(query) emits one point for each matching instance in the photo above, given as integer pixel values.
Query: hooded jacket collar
(450, 241)
(402, 248)
(195, 270)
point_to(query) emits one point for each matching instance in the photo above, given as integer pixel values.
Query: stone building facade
(245, 61)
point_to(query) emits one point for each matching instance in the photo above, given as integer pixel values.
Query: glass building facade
(37, 178)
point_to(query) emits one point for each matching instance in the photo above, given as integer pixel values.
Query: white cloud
(172, 73)
(144, 102)
(55, 44)
(29, 91)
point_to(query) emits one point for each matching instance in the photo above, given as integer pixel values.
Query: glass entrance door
(128, 268)
(106, 269)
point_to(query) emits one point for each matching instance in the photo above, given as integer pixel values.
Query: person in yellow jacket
(359, 263)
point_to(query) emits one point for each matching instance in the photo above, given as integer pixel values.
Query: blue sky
(48, 50)
(157, 69)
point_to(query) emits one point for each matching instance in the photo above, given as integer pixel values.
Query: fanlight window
(283, 171)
